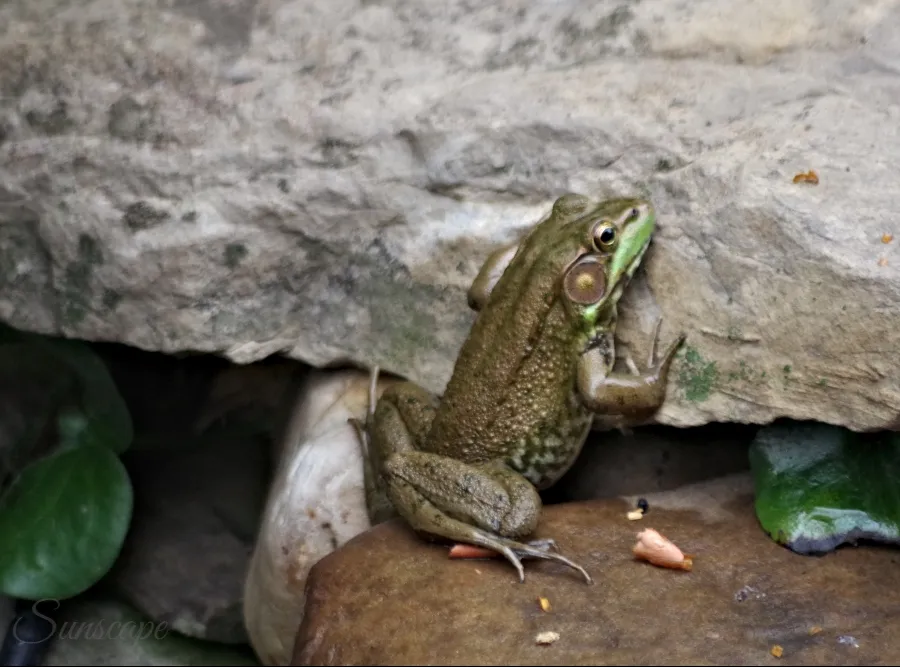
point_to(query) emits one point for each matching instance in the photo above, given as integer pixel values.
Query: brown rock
(387, 597)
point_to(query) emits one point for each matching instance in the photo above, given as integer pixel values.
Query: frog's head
(615, 235)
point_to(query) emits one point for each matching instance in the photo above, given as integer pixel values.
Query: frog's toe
(629, 362)
(515, 551)
(669, 355)
(511, 556)
(545, 544)
(538, 553)
(658, 360)
(539, 549)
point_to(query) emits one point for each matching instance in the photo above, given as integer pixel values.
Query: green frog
(535, 370)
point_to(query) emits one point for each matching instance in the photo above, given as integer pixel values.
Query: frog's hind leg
(486, 505)
(398, 422)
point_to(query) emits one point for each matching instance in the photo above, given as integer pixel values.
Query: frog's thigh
(446, 497)
(402, 419)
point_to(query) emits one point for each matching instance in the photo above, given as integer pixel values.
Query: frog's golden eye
(605, 236)
(585, 282)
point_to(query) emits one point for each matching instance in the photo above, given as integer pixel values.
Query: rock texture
(387, 598)
(323, 180)
(316, 503)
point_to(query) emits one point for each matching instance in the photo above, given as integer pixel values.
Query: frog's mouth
(637, 261)
(625, 275)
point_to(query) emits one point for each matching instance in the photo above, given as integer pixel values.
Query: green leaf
(63, 522)
(820, 486)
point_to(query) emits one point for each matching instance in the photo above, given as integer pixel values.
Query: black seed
(643, 505)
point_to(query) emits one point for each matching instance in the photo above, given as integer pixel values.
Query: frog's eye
(585, 282)
(605, 236)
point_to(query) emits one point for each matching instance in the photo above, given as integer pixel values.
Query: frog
(535, 370)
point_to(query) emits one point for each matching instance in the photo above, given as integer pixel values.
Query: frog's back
(513, 394)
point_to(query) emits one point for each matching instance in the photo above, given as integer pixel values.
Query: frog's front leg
(632, 397)
(488, 505)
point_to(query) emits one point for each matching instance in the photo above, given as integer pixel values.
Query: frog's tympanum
(536, 368)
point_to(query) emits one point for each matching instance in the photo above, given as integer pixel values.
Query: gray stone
(324, 179)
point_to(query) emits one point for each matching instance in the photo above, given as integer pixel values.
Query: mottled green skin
(533, 372)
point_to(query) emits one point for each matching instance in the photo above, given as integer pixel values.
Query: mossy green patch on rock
(696, 375)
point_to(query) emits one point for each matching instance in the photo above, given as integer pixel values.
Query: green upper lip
(632, 246)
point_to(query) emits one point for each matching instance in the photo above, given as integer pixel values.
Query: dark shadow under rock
(205, 433)
(653, 458)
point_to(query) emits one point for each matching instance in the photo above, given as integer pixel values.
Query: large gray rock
(324, 179)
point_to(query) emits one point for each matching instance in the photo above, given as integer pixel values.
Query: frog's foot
(545, 544)
(652, 363)
(378, 505)
(633, 396)
(662, 364)
(360, 429)
(486, 505)
(373, 389)
(629, 362)
(467, 551)
(514, 552)
(395, 422)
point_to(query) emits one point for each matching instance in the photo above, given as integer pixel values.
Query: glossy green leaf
(63, 522)
(820, 486)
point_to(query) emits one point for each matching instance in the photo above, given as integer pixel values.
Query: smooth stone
(387, 597)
